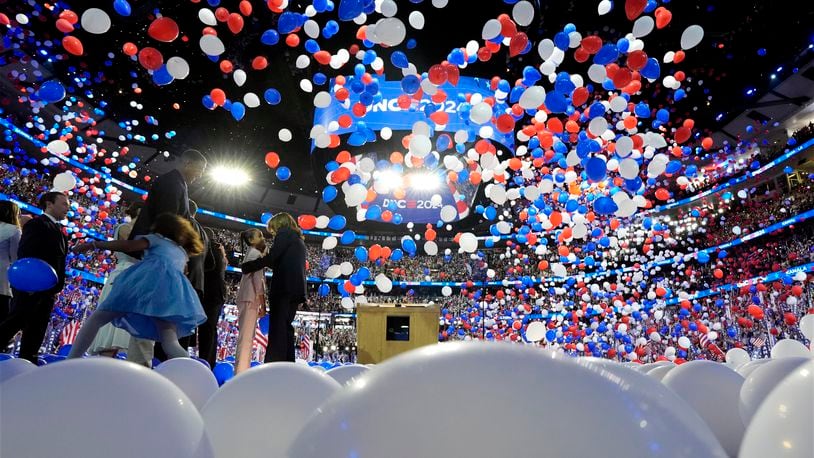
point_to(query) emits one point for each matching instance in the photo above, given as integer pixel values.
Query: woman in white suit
(10, 233)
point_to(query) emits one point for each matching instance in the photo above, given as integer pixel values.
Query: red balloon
(245, 8)
(163, 29)
(307, 222)
(682, 134)
(130, 49)
(591, 44)
(662, 194)
(663, 17)
(634, 8)
(636, 60)
(437, 74)
(64, 26)
(259, 63)
(73, 45)
(518, 43)
(272, 159)
(453, 74)
(579, 96)
(505, 123)
(218, 96)
(150, 58)
(235, 23)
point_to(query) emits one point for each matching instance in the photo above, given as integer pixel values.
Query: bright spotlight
(425, 181)
(229, 175)
(389, 180)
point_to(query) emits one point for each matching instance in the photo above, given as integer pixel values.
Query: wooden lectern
(384, 330)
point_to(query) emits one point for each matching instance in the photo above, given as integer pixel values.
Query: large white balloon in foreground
(98, 407)
(426, 402)
(760, 383)
(259, 412)
(11, 368)
(782, 425)
(192, 377)
(713, 390)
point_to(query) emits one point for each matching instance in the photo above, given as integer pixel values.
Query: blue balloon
(122, 7)
(288, 22)
(51, 91)
(324, 290)
(337, 222)
(265, 217)
(32, 275)
(347, 237)
(596, 168)
(397, 254)
(263, 324)
(270, 37)
(410, 84)
(373, 212)
(361, 253)
(605, 206)
(408, 245)
(272, 96)
(606, 54)
(329, 193)
(556, 102)
(703, 257)
(223, 372)
(238, 111)
(283, 173)
(349, 9)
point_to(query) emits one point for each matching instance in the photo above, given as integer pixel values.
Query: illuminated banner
(387, 113)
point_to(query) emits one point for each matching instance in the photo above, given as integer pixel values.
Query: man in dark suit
(169, 194)
(287, 290)
(213, 298)
(42, 238)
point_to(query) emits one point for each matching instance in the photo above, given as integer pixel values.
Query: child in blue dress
(152, 299)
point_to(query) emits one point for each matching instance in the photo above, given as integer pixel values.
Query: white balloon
(691, 36)
(660, 372)
(177, 67)
(523, 13)
(416, 20)
(98, 391)
(386, 133)
(259, 412)
(365, 410)
(240, 77)
(390, 31)
(420, 145)
(446, 291)
(481, 113)
(95, 21)
(13, 367)
(322, 221)
(532, 97)
(807, 326)
(535, 331)
(643, 26)
(388, 8)
(762, 381)
(355, 195)
(737, 356)
(491, 29)
(629, 169)
(192, 377)
(333, 271)
(431, 248)
(782, 424)
(604, 7)
(207, 16)
(448, 213)
(346, 303)
(712, 389)
(65, 181)
(789, 348)
(468, 242)
(251, 100)
(746, 369)
(284, 135)
(58, 147)
(346, 375)
(311, 28)
(211, 45)
(329, 243)
(383, 283)
(346, 268)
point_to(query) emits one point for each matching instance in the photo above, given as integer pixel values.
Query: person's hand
(82, 247)
(261, 310)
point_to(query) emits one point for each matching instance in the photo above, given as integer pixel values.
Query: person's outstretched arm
(268, 260)
(124, 246)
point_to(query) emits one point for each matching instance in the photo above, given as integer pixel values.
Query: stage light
(229, 175)
(425, 181)
(388, 180)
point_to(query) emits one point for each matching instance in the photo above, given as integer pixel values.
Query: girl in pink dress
(251, 298)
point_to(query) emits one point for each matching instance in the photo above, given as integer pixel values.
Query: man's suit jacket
(195, 265)
(286, 259)
(43, 239)
(169, 194)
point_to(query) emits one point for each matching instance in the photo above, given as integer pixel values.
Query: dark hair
(49, 197)
(193, 155)
(244, 238)
(284, 221)
(180, 231)
(9, 212)
(133, 209)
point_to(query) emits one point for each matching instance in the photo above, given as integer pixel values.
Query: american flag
(69, 332)
(704, 340)
(758, 341)
(306, 348)
(260, 340)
